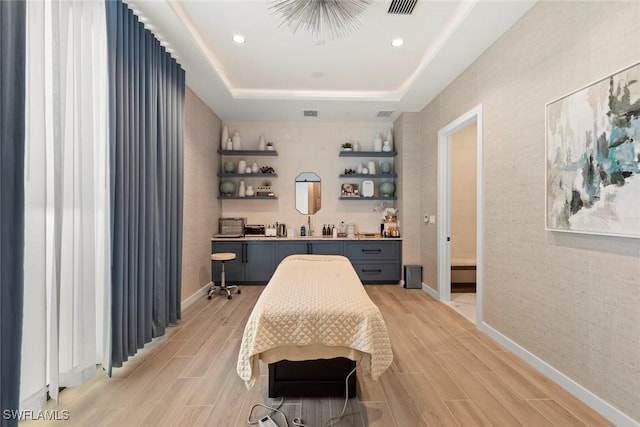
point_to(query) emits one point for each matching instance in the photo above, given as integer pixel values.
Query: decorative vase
(389, 136)
(255, 168)
(356, 146)
(359, 168)
(242, 166)
(227, 188)
(365, 171)
(225, 136)
(385, 167)
(237, 142)
(229, 144)
(270, 146)
(242, 191)
(386, 146)
(262, 144)
(229, 166)
(372, 167)
(377, 143)
(249, 191)
(387, 189)
(248, 169)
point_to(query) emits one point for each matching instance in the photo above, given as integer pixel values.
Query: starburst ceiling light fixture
(323, 18)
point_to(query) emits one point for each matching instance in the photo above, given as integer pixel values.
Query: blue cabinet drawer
(373, 251)
(379, 272)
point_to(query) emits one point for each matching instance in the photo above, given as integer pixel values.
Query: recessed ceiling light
(238, 38)
(397, 42)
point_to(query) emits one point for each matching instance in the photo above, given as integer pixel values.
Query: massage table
(311, 324)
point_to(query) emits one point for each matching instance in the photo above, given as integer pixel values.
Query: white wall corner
(36, 402)
(595, 402)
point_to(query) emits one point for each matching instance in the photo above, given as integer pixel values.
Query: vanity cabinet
(254, 263)
(375, 261)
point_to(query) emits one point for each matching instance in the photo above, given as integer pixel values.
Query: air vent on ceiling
(402, 7)
(310, 113)
(384, 113)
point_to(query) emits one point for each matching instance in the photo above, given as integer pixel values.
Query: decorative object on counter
(242, 191)
(303, 231)
(389, 136)
(225, 137)
(247, 170)
(386, 146)
(372, 167)
(347, 146)
(229, 144)
(377, 143)
(387, 189)
(267, 169)
(270, 146)
(255, 168)
(359, 168)
(242, 166)
(249, 191)
(367, 188)
(237, 141)
(229, 166)
(385, 167)
(356, 146)
(227, 188)
(262, 144)
(365, 171)
(349, 171)
(390, 223)
(351, 231)
(350, 190)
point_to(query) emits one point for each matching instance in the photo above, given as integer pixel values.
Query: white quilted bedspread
(314, 307)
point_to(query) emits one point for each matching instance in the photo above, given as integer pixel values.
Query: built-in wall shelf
(365, 176)
(247, 175)
(247, 197)
(248, 152)
(368, 198)
(344, 153)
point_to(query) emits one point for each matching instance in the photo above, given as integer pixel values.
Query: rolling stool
(222, 257)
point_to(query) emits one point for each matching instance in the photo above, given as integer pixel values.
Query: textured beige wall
(463, 193)
(201, 206)
(570, 299)
(408, 185)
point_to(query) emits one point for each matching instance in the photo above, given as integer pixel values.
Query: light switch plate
(432, 219)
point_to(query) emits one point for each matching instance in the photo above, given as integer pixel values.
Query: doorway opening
(460, 212)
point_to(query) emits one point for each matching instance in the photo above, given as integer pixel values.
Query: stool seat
(223, 256)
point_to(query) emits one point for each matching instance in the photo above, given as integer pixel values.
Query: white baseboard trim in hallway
(193, 298)
(429, 290)
(611, 413)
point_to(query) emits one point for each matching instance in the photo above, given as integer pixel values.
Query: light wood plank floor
(445, 373)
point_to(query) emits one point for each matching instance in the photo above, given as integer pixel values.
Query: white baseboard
(198, 294)
(429, 290)
(36, 402)
(611, 413)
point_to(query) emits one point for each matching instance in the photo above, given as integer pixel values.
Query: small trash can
(413, 276)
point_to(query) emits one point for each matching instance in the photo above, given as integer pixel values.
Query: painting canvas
(349, 190)
(593, 157)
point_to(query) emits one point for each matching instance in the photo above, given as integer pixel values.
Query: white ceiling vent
(310, 113)
(402, 7)
(384, 114)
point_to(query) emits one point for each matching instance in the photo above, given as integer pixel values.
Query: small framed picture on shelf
(350, 190)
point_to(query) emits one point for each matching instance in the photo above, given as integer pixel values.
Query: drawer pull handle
(371, 271)
(372, 250)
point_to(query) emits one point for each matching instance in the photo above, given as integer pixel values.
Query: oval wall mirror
(308, 195)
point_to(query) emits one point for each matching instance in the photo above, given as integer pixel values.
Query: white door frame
(444, 205)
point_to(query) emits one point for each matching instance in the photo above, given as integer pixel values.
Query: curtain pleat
(12, 149)
(146, 99)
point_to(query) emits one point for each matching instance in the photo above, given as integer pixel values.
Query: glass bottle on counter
(303, 231)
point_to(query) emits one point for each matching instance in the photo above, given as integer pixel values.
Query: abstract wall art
(593, 157)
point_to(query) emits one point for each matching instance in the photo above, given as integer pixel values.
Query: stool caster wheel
(209, 297)
(229, 297)
(239, 292)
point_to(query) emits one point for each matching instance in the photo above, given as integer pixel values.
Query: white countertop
(302, 238)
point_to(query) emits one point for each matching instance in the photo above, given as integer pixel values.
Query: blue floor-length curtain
(146, 102)
(12, 133)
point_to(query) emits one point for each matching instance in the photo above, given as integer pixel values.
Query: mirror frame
(307, 178)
